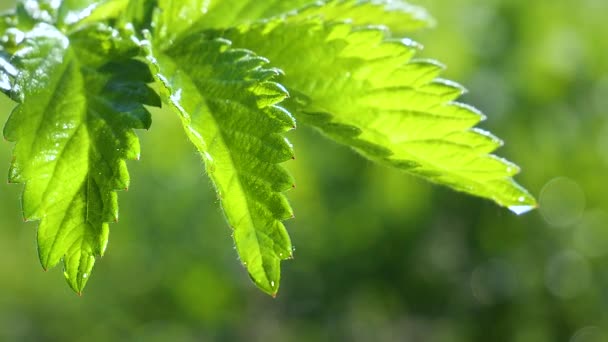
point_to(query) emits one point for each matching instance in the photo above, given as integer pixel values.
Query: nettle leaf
(10, 37)
(228, 13)
(7, 71)
(81, 97)
(367, 91)
(400, 17)
(176, 17)
(179, 16)
(81, 90)
(67, 15)
(86, 12)
(138, 14)
(228, 105)
(70, 12)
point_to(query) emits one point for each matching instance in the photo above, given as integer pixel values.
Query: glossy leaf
(399, 16)
(73, 130)
(367, 91)
(179, 16)
(79, 68)
(228, 105)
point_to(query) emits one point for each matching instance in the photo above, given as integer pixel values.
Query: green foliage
(236, 73)
(238, 131)
(73, 132)
(366, 91)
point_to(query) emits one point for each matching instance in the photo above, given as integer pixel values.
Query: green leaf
(67, 14)
(228, 105)
(367, 91)
(70, 12)
(7, 73)
(174, 17)
(97, 12)
(400, 17)
(138, 14)
(227, 13)
(179, 16)
(81, 97)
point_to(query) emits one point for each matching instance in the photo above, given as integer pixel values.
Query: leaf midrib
(222, 138)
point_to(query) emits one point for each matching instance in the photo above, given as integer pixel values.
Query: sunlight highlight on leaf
(228, 104)
(73, 131)
(367, 91)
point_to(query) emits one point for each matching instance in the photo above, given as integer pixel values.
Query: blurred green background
(380, 256)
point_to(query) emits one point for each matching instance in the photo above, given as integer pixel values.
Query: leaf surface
(181, 16)
(81, 98)
(228, 105)
(399, 16)
(367, 91)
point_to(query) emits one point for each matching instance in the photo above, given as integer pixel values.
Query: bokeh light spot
(591, 235)
(493, 281)
(567, 275)
(602, 143)
(562, 202)
(589, 334)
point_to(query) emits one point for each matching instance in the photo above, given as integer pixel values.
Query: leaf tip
(521, 209)
(524, 204)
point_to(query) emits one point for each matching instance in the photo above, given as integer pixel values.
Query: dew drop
(521, 209)
(562, 202)
(272, 284)
(590, 236)
(568, 274)
(85, 275)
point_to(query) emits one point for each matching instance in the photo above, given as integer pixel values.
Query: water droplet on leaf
(521, 209)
